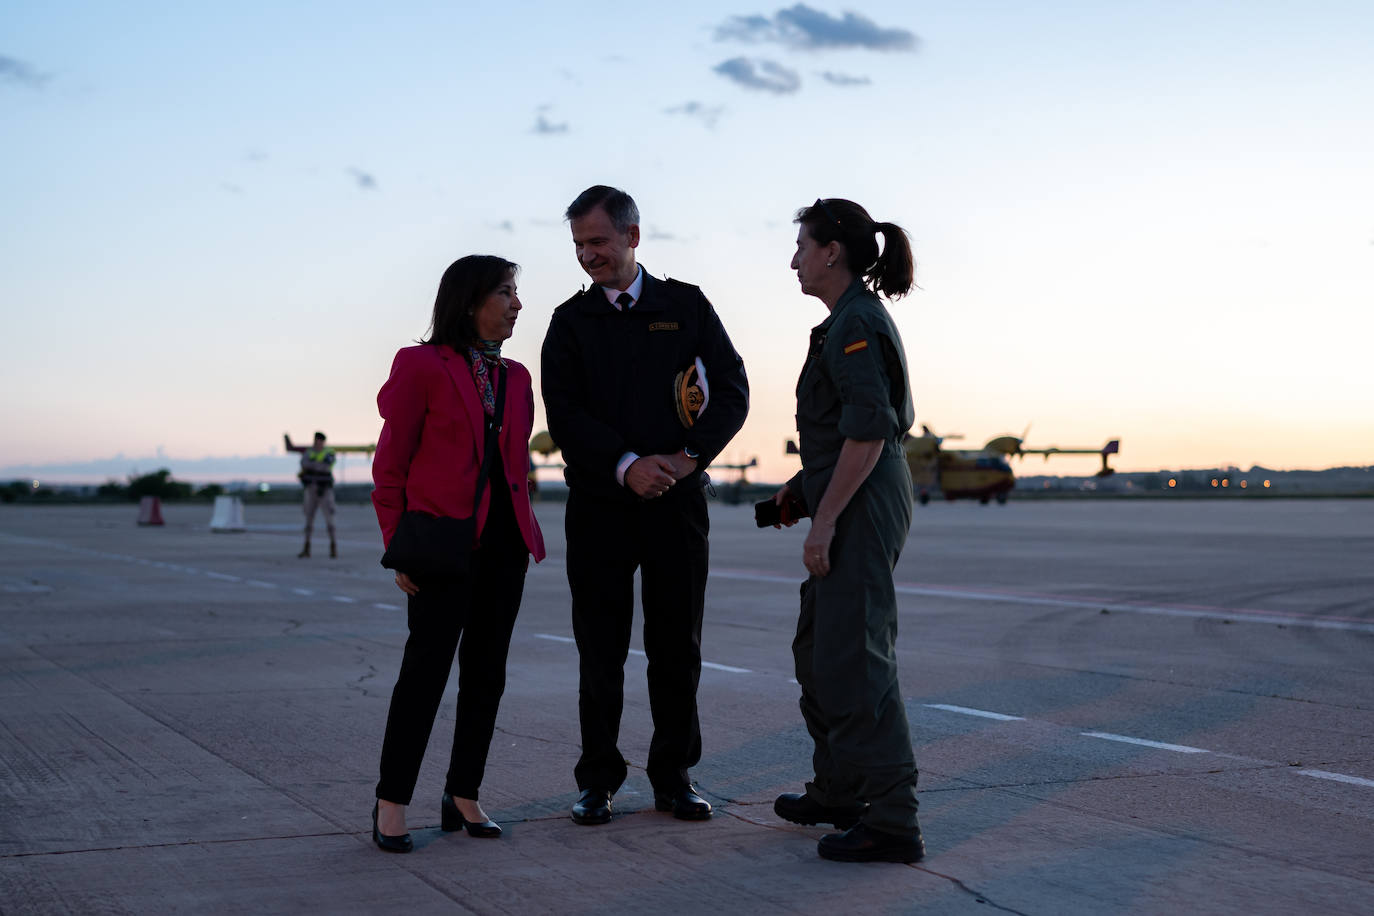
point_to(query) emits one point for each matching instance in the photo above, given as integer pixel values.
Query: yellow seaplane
(982, 474)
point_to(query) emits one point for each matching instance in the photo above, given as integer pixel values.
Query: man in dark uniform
(643, 389)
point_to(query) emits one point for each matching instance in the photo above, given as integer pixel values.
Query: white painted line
(344, 599)
(1338, 777)
(640, 652)
(1320, 622)
(716, 666)
(222, 576)
(304, 592)
(981, 713)
(1125, 739)
(385, 607)
(259, 583)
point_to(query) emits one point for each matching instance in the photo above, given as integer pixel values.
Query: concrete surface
(1118, 707)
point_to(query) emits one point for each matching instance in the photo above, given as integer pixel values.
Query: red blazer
(430, 450)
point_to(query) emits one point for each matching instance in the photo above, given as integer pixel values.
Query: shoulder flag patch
(855, 347)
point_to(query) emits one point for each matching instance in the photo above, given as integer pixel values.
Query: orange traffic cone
(150, 511)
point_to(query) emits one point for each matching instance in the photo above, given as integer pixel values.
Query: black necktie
(624, 300)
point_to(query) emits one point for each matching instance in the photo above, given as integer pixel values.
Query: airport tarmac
(1116, 706)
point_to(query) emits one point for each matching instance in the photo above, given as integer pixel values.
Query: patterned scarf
(485, 357)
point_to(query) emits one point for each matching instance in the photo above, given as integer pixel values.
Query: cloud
(801, 27)
(659, 235)
(230, 187)
(705, 113)
(764, 75)
(542, 124)
(844, 79)
(504, 226)
(16, 71)
(364, 179)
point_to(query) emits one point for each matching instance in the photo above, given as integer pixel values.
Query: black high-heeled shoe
(451, 819)
(401, 843)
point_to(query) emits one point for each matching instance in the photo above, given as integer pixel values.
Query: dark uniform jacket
(607, 379)
(854, 386)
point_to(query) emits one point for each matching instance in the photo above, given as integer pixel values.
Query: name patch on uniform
(663, 326)
(855, 347)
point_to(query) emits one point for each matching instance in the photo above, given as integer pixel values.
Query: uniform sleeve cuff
(623, 465)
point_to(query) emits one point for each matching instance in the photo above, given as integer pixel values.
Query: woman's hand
(404, 584)
(780, 500)
(816, 549)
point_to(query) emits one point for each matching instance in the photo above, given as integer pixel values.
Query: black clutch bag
(770, 513)
(431, 546)
(428, 546)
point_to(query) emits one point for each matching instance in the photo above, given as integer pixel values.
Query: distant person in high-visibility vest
(317, 479)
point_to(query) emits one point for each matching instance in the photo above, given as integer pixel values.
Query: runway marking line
(1338, 777)
(968, 711)
(961, 593)
(715, 666)
(1143, 742)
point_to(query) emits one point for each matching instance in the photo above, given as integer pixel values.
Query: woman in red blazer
(437, 406)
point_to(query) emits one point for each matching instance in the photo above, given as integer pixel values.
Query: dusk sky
(1151, 221)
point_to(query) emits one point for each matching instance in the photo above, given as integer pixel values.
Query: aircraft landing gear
(1001, 499)
(982, 500)
(923, 497)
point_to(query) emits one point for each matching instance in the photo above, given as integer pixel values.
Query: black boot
(305, 551)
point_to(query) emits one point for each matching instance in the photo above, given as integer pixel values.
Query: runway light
(1214, 481)
(264, 487)
(1244, 484)
(1226, 483)
(1266, 484)
(1172, 483)
(35, 485)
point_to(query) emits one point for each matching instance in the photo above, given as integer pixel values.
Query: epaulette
(582, 291)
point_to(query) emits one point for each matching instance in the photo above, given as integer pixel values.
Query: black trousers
(473, 615)
(666, 540)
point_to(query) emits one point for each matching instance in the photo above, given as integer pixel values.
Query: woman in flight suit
(853, 408)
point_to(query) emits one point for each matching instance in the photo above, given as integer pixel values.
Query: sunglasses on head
(826, 210)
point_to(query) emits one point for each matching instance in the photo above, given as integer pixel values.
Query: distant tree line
(160, 483)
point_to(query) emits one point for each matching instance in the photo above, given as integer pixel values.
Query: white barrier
(228, 514)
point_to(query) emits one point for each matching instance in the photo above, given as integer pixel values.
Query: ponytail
(895, 270)
(891, 272)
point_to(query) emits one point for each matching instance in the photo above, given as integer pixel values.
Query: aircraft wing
(363, 449)
(1111, 448)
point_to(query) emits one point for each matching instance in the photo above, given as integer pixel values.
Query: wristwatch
(691, 452)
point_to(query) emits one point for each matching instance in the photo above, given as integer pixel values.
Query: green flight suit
(855, 386)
